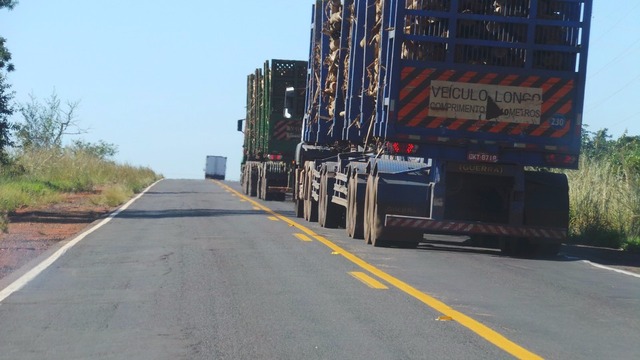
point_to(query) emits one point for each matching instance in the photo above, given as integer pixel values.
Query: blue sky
(165, 80)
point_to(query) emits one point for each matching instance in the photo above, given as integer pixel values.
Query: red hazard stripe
(497, 128)
(421, 116)
(519, 129)
(509, 80)
(436, 123)
(415, 95)
(541, 129)
(281, 129)
(555, 97)
(488, 79)
(460, 227)
(416, 82)
(563, 132)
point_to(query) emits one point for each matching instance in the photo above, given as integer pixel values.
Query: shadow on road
(160, 193)
(568, 253)
(56, 217)
(184, 213)
(444, 246)
(603, 256)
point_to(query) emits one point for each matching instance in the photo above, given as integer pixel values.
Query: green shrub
(605, 194)
(25, 193)
(113, 196)
(40, 176)
(632, 245)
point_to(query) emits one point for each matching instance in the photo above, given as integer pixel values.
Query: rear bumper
(473, 228)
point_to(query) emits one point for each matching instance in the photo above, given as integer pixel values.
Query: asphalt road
(193, 270)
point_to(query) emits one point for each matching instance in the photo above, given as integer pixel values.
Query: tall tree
(8, 4)
(6, 95)
(44, 124)
(5, 55)
(6, 110)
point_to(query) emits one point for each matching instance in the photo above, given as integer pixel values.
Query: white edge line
(629, 273)
(37, 270)
(603, 267)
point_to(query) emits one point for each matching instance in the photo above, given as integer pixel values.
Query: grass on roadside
(40, 177)
(605, 205)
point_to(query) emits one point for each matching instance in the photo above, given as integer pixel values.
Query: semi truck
(443, 117)
(270, 134)
(215, 167)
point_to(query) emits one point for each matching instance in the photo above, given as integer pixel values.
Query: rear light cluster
(275, 157)
(560, 159)
(402, 148)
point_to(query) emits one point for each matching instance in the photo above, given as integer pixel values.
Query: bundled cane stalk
(373, 69)
(332, 28)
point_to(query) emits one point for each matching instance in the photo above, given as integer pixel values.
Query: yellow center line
(273, 218)
(368, 280)
(303, 237)
(477, 327)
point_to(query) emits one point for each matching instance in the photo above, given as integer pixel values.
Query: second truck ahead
(270, 134)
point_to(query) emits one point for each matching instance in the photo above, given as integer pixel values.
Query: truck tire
(252, 182)
(298, 195)
(310, 205)
(378, 233)
(310, 210)
(298, 207)
(355, 210)
(367, 210)
(259, 185)
(348, 222)
(244, 182)
(328, 212)
(322, 204)
(374, 217)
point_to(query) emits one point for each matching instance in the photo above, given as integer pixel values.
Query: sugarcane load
(424, 116)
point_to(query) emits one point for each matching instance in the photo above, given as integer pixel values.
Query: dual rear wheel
(375, 233)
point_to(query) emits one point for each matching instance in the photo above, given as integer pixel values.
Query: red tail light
(275, 157)
(403, 148)
(560, 159)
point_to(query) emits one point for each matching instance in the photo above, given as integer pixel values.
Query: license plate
(482, 157)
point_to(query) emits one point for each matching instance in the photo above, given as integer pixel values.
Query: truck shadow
(465, 246)
(568, 252)
(56, 217)
(184, 213)
(602, 256)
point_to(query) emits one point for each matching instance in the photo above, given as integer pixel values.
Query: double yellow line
(448, 313)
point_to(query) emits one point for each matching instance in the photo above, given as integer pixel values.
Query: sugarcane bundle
(373, 69)
(517, 8)
(332, 28)
(347, 57)
(436, 5)
(317, 90)
(425, 25)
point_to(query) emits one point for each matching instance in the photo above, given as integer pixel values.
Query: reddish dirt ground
(33, 231)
